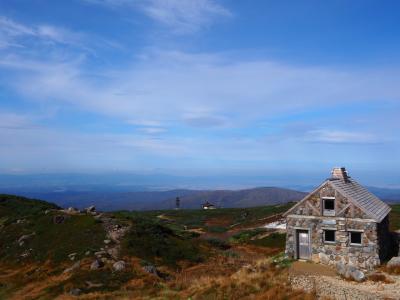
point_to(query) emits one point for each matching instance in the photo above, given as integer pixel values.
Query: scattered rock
(113, 252)
(90, 209)
(21, 221)
(151, 269)
(107, 242)
(119, 266)
(73, 267)
(100, 253)
(72, 210)
(75, 292)
(26, 253)
(324, 258)
(394, 262)
(59, 219)
(357, 275)
(93, 285)
(97, 264)
(350, 272)
(22, 239)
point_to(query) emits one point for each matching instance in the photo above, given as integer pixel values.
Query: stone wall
(365, 256)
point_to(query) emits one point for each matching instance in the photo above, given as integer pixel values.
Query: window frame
(354, 232)
(328, 212)
(334, 236)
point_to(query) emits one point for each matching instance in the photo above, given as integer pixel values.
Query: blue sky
(200, 86)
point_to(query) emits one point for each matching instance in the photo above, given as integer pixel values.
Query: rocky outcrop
(119, 266)
(73, 267)
(96, 264)
(394, 262)
(350, 272)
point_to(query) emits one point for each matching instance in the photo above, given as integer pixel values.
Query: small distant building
(340, 221)
(208, 205)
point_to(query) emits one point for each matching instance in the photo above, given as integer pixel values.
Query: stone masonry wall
(365, 256)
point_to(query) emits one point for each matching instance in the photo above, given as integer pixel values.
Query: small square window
(329, 204)
(355, 238)
(329, 236)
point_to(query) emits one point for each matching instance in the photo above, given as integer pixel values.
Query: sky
(200, 87)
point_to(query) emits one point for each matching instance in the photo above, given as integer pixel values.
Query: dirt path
(327, 284)
(307, 268)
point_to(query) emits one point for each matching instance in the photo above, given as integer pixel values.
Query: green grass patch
(218, 243)
(274, 240)
(216, 229)
(394, 217)
(47, 240)
(245, 235)
(152, 241)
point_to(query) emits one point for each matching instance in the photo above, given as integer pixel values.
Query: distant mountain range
(152, 200)
(158, 191)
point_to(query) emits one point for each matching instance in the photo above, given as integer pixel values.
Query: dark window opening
(329, 236)
(355, 238)
(329, 204)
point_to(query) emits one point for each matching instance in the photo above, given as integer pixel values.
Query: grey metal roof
(368, 202)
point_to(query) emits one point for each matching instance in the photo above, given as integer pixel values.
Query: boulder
(75, 292)
(90, 209)
(72, 210)
(350, 272)
(97, 264)
(59, 219)
(341, 268)
(151, 269)
(93, 285)
(323, 258)
(107, 242)
(23, 238)
(119, 266)
(357, 275)
(394, 262)
(73, 267)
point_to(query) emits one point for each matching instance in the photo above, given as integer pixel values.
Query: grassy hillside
(36, 231)
(46, 253)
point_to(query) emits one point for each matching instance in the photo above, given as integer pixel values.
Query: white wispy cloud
(12, 121)
(341, 137)
(185, 16)
(179, 16)
(196, 90)
(13, 33)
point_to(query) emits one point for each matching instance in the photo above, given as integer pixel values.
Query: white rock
(119, 266)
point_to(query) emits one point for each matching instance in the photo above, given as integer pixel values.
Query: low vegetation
(150, 240)
(175, 254)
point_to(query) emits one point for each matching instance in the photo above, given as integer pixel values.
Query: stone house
(340, 221)
(208, 205)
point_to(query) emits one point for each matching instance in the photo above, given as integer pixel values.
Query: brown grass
(248, 274)
(379, 277)
(392, 270)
